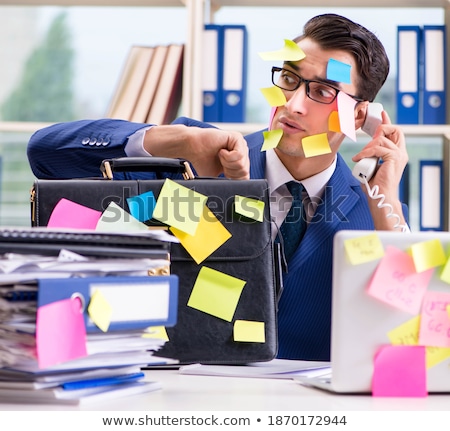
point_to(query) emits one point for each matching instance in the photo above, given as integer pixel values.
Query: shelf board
(124, 3)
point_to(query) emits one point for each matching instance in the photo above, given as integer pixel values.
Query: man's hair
(333, 31)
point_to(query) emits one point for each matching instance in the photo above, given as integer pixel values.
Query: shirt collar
(277, 175)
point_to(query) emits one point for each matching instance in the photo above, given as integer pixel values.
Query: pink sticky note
(396, 282)
(73, 215)
(400, 371)
(346, 109)
(60, 332)
(434, 320)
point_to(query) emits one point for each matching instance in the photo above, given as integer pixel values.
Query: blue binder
(137, 302)
(408, 74)
(434, 76)
(234, 82)
(212, 72)
(431, 195)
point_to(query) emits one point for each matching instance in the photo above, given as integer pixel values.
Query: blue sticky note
(338, 71)
(142, 206)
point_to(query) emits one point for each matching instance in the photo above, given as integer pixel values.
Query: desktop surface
(216, 393)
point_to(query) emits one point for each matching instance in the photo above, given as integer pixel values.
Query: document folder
(408, 61)
(431, 195)
(212, 72)
(435, 63)
(234, 91)
(135, 302)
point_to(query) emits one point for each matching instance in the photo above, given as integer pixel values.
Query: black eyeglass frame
(301, 81)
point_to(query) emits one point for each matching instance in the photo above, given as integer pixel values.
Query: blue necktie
(294, 225)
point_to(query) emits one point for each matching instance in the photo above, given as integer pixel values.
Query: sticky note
(396, 282)
(158, 332)
(346, 109)
(338, 71)
(100, 310)
(334, 122)
(408, 334)
(274, 95)
(60, 332)
(249, 207)
(271, 139)
(216, 293)
(364, 249)
(68, 214)
(290, 52)
(434, 321)
(399, 371)
(179, 206)
(115, 218)
(208, 237)
(428, 254)
(142, 206)
(249, 331)
(316, 145)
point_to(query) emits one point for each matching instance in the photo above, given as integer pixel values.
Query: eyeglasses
(315, 90)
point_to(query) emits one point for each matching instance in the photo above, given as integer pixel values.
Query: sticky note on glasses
(338, 71)
(290, 52)
(274, 95)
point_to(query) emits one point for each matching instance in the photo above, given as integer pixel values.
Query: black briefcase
(247, 255)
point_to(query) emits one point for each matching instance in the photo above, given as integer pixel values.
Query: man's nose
(295, 100)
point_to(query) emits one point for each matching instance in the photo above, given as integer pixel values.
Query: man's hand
(211, 151)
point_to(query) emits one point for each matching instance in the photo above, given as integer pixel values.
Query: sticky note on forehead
(338, 71)
(290, 52)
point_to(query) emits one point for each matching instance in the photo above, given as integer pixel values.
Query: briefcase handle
(146, 164)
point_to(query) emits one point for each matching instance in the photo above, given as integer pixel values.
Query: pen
(92, 383)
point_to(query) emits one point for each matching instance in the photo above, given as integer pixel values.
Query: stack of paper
(76, 329)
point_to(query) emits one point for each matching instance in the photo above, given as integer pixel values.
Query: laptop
(361, 321)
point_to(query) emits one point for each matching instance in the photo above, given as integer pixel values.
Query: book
(131, 82)
(167, 99)
(150, 84)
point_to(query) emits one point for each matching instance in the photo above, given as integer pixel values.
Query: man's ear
(360, 114)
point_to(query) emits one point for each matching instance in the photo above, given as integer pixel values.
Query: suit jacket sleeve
(76, 149)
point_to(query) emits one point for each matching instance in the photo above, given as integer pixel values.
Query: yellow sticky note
(208, 237)
(100, 311)
(316, 145)
(216, 293)
(428, 254)
(249, 331)
(333, 122)
(115, 218)
(445, 274)
(271, 139)
(408, 334)
(290, 52)
(249, 207)
(274, 95)
(158, 332)
(364, 249)
(179, 206)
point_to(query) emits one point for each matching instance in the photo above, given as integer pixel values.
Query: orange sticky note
(399, 371)
(333, 122)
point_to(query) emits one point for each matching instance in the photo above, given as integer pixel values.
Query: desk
(213, 394)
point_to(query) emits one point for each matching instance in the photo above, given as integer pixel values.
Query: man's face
(301, 116)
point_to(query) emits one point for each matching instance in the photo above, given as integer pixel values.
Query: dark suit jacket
(76, 150)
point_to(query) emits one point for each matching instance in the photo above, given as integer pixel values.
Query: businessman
(332, 198)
